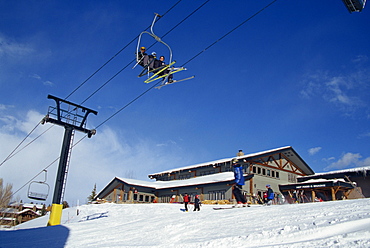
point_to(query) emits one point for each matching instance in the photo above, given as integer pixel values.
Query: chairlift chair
(38, 190)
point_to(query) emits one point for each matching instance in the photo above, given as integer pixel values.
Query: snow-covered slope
(325, 224)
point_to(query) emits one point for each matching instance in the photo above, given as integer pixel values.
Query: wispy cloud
(314, 150)
(39, 79)
(5, 107)
(364, 135)
(349, 160)
(96, 160)
(360, 59)
(347, 91)
(12, 48)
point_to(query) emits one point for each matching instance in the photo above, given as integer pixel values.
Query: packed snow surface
(321, 224)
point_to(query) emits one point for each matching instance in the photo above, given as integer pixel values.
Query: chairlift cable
(35, 177)
(238, 26)
(114, 56)
(146, 91)
(128, 104)
(55, 160)
(29, 143)
(93, 74)
(115, 75)
(12, 153)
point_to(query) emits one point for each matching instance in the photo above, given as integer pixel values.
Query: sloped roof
(358, 169)
(288, 150)
(214, 178)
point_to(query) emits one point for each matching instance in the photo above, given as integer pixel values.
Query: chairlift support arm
(157, 38)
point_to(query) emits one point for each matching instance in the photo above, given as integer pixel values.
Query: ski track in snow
(326, 224)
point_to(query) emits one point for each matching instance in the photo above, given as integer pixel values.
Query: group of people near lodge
(236, 190)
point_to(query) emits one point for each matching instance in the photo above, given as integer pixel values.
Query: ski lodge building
(282, 168)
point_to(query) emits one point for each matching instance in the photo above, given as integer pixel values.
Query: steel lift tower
(72, 117)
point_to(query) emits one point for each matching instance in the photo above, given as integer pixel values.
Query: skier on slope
(239, 182)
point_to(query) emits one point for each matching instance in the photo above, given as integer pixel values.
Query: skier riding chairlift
(165, 71)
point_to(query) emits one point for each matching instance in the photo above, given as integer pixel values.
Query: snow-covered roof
(30, 205)
(214, 178)
(220, 161)
(321, 180)
(358, 169)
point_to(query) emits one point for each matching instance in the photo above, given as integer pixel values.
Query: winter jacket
(270, 194)
(186, 198)
(238, 174)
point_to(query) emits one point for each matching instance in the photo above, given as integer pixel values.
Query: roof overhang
(287, 151)
(316, 185)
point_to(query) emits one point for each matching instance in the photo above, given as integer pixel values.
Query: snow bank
(324, 224)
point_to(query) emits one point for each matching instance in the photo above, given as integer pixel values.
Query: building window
(259, 170)
(254, 169)
(268, 173)
(277, 174)
(273, 173)
(216, 195)
(264, 172)
(209, 172)
(292, 178)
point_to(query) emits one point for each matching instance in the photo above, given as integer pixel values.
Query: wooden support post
(114, 196)
(313, 195)
(333, 194)
(251, 188)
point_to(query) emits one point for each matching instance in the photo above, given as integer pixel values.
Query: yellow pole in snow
(55, 215)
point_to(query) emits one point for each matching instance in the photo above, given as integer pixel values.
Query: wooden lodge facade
(212, 180)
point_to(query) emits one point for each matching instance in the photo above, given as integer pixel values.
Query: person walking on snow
(186, 201)
(197, 203)
(239, 182)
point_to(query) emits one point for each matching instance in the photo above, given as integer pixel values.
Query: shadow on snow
(51, 236)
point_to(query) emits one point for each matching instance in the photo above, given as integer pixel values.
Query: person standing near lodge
(197, 203)
(239, 182)
(270, 194)
(186, 201)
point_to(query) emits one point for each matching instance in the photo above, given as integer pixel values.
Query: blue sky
(297, 74)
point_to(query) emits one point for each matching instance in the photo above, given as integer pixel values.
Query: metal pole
(57, 207)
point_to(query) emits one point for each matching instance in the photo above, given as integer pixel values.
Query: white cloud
(40, 79)
(313, 151)
(364, 135)
(48, 83)
(11, 48)
(349, 160)
(35, 76)
(5, 107)
(96, 160)
(360, 59)
(347, 91)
